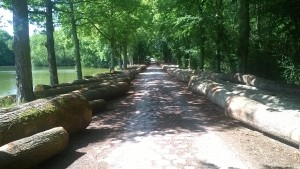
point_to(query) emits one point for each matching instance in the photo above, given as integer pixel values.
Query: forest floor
(161, 124)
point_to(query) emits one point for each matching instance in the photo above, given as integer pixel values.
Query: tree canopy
(257, 37)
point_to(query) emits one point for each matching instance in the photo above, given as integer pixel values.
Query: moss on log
(71, 111)
(30, 151)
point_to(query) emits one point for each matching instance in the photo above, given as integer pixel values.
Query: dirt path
(160, 124)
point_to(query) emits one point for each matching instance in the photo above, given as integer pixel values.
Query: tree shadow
(155, 105)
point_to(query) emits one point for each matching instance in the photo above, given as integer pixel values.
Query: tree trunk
(76, 42)
(217, 55)
(125, 57)
(282, 124)
(30, 151)
(50, 43)
(244, 30)
(21, 49)
(201, 5)
(70, 111)
(112, 54)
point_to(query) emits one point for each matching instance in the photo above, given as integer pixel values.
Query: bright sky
(6, 18)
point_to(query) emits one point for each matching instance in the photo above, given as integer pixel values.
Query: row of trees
(244, 36)
(257, 37)
(110, 22)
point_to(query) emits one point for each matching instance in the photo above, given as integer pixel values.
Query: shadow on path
(156, 105)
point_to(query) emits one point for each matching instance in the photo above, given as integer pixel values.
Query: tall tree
(50, 43)
(21, 47)
(75, 40)
(219, 26)
(244, 33)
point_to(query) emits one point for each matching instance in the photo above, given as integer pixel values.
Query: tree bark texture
(244, 31)
(89, 86)
(281, 124)
(30, 151)
(182, 75)
(70, 111)
(106, 92)
(258, 82)
(50, 43)
(21, 49)
(219, 26)
(113, 53)
(125, 57)
(76, 41)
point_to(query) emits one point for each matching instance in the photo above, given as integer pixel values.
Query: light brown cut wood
(71, 111)
(30, 151)
(280, 123)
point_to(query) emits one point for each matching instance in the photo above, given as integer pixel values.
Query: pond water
(40, 76)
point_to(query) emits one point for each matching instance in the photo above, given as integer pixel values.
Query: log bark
(258, 82)
(275, 100)
(98, 105)
(182, 75)
(71, 88)
(70, 111)
(30, 151)
(105, 92)
(282, 124)
(29, 104)
(165, 67)
(56, 91)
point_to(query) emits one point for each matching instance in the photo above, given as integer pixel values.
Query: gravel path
(160, 124)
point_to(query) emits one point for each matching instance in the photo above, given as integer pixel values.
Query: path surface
(160, 124)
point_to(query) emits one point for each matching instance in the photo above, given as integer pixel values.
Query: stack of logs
(268, 106)
(35, 131)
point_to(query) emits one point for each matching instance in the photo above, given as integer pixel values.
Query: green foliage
(7, 57)
(186, 32)
(7, 102)
(291, 72)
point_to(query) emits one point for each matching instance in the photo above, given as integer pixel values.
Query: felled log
(41, 87)
(70, 111)
(85, 81)
(165, 67)
(30, 151)
(282, 124)
(182, 75)
(98, 105)
(56, 91)
(71, 88)
(107, 91)
(258, 82)
(268, 98)
(29, 104)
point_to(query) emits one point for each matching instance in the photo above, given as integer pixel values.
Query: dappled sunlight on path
(159, 124)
